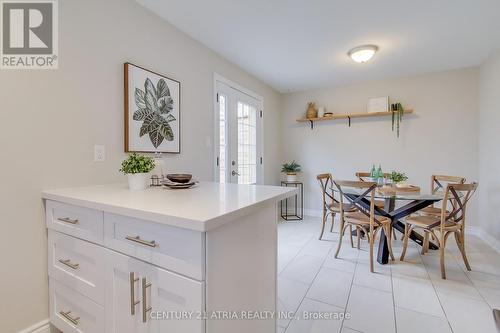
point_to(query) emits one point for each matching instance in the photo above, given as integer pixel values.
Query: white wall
(441, 136)
(50, 121)
(489, 151)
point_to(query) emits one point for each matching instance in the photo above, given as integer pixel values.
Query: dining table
(407, 203)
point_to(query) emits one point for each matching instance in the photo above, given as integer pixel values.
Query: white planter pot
(291, 177)
(138, 181)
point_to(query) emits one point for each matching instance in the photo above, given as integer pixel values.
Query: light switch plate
(99, 153)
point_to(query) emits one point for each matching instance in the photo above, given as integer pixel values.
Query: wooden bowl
(180, 177)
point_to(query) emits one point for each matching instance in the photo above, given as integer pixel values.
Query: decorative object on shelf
(311, 112)
(291, 170)
(397, 116)
(327, 114)
(152, 111)
(334, 116)
(137, 168)
(378, 104)
(321, 111)
(398, 177)
(298, 203)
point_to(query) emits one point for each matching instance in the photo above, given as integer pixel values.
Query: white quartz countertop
(202, 207)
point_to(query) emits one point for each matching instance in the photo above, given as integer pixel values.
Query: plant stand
(298, 203)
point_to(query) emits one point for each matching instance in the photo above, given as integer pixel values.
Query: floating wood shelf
(348, 116)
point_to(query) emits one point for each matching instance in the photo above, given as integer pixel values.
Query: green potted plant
(397, 178)
(291, 170)
(137, 168)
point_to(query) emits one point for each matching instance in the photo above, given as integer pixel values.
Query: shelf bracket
(312, 124)
(349, 117)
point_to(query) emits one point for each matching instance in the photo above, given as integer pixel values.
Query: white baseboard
(41, 327)
(313, 212)
(486, 237)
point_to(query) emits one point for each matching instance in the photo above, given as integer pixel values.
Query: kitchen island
(160, 260)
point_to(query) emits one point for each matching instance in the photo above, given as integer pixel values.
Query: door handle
(145, 308)
(66, 315)
(68, 220)
(138, 239)
(133, 302)
(68, 263)
(234, 173)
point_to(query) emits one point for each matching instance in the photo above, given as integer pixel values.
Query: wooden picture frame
(152, 111)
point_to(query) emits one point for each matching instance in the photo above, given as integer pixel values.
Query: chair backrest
(439, 182)
(325, 182)
(359, 201)
(366, 176)
(459, 195)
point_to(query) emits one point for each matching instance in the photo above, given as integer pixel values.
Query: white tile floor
(403, 297)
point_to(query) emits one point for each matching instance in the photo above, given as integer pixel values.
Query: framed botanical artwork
(152, 111)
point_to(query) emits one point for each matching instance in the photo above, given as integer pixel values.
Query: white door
(238, 136)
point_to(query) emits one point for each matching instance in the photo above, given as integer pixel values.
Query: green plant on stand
(397, 117)
(291, 170)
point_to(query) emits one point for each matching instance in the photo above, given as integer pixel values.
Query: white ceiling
(297, 45)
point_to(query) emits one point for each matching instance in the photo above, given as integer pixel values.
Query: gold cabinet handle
(68, 263)
(68, 317)
(67, 220)
(145, 308)
(133, 302)
(138, 239)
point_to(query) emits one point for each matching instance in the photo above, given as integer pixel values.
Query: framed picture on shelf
(378, 104)
(152, 111)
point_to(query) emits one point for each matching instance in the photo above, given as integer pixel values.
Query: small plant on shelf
(397, 116)
(397, 177)
(291, 170)
(137, 168)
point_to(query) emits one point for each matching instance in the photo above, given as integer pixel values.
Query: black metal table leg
(383, 249)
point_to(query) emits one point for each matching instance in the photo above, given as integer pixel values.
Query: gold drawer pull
(68, 317)
(138, 239)
(145, 308)
(68, 220)
(68, 263)
(133, 302)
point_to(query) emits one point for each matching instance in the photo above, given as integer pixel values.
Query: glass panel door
(239, 152)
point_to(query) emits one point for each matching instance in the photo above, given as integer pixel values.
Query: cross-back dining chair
(366, 177)
(331, 206)
(364, 218)
(452, 221)
(439, 183)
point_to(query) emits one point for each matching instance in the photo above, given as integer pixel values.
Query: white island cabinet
(201, 260)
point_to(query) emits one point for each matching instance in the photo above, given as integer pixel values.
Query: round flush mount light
(363, 53)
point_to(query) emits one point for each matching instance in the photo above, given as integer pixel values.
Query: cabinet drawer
(71, 312)
(76, 221)
(176, 249)
(77, 264)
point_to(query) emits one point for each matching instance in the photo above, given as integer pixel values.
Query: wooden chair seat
(335, 207)
(433, 211)
(362, 219)
(426, 221)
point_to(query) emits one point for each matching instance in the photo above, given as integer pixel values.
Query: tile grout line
(435, 291)
(310, 285)
(349, 294)
(312, 282)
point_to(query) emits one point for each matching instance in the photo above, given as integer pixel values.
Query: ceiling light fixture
(363, 53)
